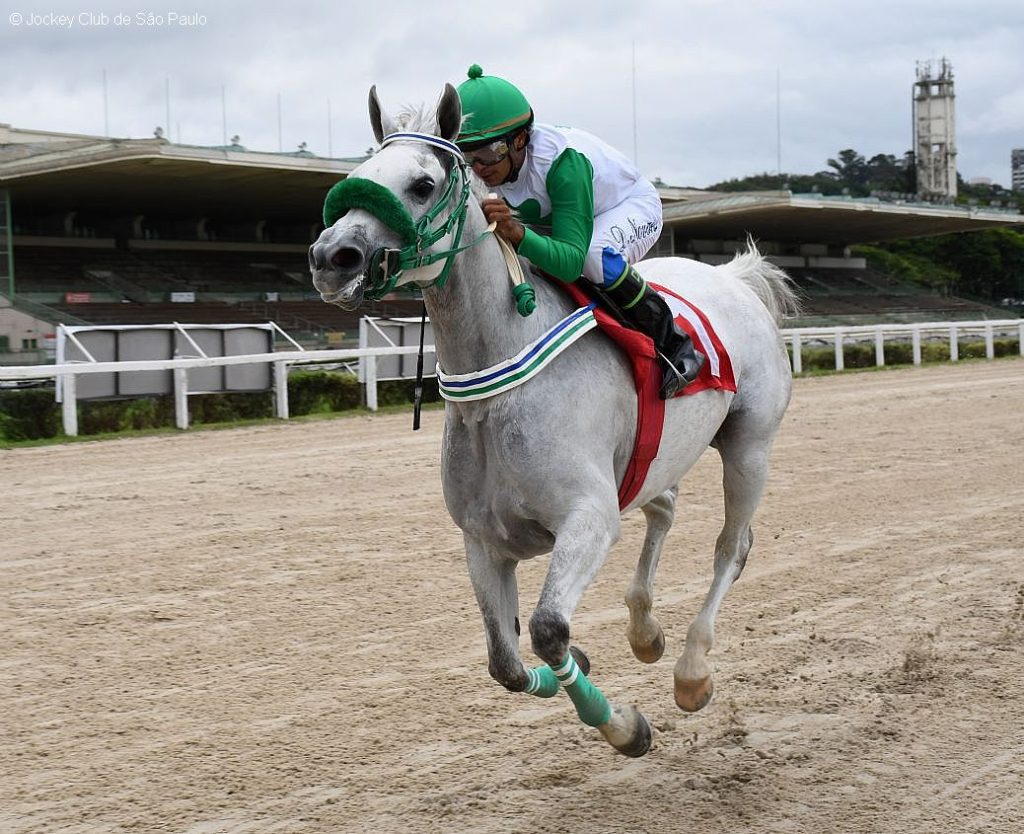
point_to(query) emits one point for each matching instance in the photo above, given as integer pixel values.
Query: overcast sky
(702, 85)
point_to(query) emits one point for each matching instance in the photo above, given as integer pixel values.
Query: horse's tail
(769, 283)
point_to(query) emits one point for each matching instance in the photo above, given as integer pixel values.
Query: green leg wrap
(591, 705)
(542, 682)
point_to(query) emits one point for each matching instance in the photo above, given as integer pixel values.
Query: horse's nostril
(347, 258)
(316, 259)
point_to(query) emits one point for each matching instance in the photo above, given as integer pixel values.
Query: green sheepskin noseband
(355, 192)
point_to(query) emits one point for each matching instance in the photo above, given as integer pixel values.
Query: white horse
(536, 468)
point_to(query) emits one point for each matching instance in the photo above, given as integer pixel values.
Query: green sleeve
(570, 185)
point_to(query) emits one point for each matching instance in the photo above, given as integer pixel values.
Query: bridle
(387, 265)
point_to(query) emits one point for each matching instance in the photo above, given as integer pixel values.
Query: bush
(322, 392)
(29, 414)
(32, 414)
(862, 355)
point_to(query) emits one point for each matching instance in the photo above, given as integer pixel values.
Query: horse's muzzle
(349, 297)
(338, 273)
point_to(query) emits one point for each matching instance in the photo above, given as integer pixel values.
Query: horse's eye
(422, 188)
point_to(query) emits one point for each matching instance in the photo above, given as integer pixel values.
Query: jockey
(585, 206)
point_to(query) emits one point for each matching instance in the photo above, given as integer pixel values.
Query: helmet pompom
(475, 71)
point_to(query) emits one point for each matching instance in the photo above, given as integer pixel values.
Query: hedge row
(31, 414)
(862, 355)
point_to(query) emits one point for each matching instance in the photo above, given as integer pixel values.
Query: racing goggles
(489, 154)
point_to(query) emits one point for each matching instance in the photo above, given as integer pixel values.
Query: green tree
(852, 171)
(887, 173)
(987, 264)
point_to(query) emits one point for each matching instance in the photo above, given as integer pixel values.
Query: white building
(1017, 169)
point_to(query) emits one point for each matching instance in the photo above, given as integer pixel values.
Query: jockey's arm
(570, 187)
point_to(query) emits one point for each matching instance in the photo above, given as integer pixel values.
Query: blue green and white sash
(525, 365)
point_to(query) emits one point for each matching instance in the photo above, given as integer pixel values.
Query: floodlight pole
(778, 124)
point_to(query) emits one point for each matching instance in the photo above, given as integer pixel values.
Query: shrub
(28, 414)
(33, 414)
(322, 392)
(862, 355)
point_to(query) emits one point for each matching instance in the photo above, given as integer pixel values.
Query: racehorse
(535, 468)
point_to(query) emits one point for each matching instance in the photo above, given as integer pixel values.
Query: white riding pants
(630, 228)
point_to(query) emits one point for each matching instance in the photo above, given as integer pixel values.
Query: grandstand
(134, 231)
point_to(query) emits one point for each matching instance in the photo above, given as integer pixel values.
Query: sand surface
(270, 629)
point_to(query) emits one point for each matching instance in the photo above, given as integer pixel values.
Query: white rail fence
(798, 338)
(954, 331)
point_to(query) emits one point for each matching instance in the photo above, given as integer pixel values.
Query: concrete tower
(935, 129)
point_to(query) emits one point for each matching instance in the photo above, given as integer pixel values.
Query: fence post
(879, 348)
(281, 390)
(990, 345)
(954, 344)
(915, 341)
(371, 382)
(798, 359)
(69, 406)
(181, 398)
(1020, 338)
(840, 361)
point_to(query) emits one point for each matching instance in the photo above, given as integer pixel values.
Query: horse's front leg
(493, 575)
(581, 545)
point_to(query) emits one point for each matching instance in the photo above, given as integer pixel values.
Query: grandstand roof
(155, 176)
(65, 171)
(797, 218)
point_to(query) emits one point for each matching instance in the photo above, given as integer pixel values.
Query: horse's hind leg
(745, 468)
(644, 632)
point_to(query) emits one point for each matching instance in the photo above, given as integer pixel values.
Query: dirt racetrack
(270, 629)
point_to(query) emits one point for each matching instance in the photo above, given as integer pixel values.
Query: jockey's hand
(498, 211)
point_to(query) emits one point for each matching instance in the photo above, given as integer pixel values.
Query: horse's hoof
(581, 659)
(652, 652)
(693, 695)
(628, 732)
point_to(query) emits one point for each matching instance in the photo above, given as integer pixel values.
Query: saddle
(716, 374)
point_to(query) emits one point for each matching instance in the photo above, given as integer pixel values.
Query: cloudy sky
(691, 88)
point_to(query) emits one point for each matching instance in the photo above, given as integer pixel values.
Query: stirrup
(672, 379)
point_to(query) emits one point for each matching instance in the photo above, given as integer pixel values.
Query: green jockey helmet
(491, 106)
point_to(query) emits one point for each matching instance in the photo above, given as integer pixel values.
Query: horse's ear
(449, 114)
(380, 121)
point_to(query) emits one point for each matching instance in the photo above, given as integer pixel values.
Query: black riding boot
(641, 308)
